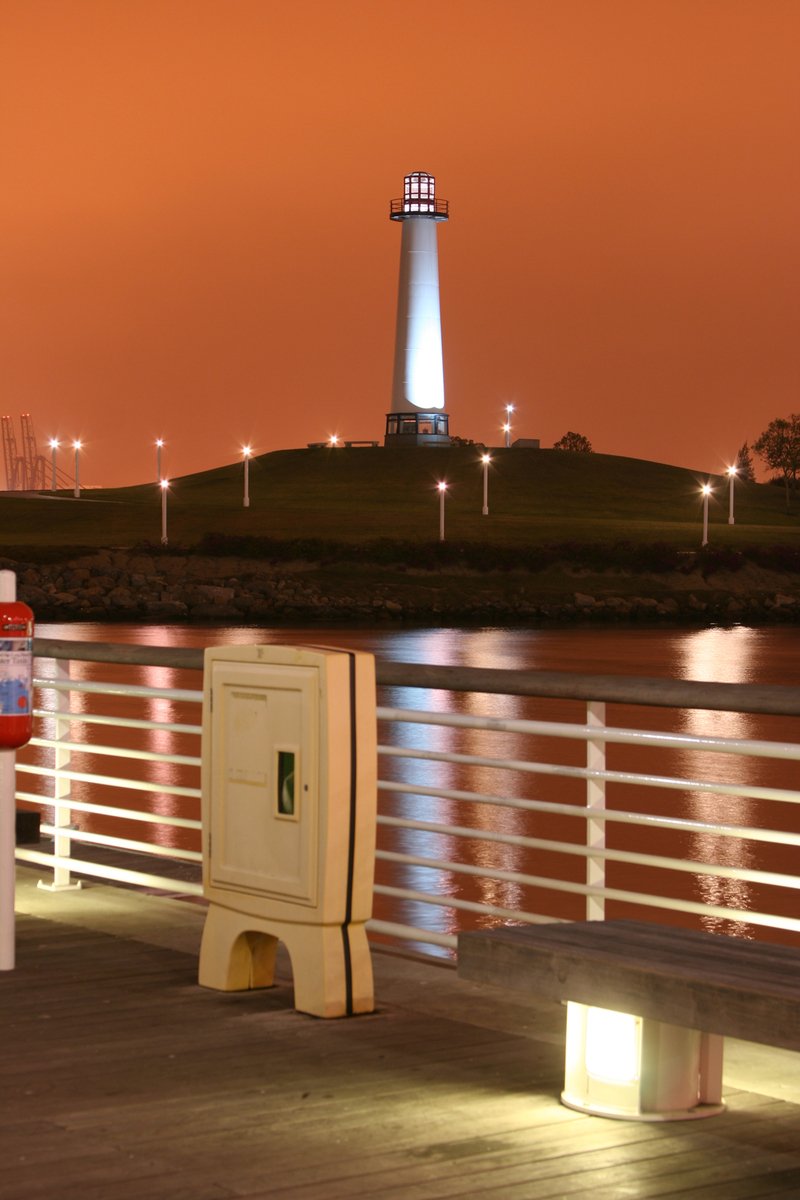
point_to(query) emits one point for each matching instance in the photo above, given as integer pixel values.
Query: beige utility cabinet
(289, 798)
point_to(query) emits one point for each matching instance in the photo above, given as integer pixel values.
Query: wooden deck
(123, 1080)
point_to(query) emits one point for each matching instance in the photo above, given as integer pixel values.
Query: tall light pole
(731, 477)
(706, 489)
(164, 485)
(507, 426)
(159, 445)
(246, 452)
(442, 488)
(485, 459)
(54, 444)
(77, 446)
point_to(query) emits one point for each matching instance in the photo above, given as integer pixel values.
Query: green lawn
(535, 496)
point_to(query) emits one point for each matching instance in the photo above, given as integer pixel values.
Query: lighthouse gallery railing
(483, 818)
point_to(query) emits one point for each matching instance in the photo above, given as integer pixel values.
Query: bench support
(638, 1069)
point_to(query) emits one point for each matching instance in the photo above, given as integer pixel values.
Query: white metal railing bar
(110, 810)
(610, 815)
(118, 843)
(136, 785)
(750, 916)
(525, 766)
(115, 874)
(411, 933)
(617, 736)
(121, 722)
(690, 866)
(471, 906)
(139, 691)
(178, 760)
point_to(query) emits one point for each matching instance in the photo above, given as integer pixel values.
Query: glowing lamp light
(333, 440)
(630, 1067)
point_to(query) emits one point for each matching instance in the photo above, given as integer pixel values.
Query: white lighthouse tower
(417, 417)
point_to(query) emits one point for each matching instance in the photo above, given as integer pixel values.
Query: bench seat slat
(707, 981)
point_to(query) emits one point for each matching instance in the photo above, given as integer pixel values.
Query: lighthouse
(417, 416)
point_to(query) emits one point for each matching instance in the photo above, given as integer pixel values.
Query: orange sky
(194, 233)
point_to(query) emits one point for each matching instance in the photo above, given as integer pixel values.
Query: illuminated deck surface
(123, 1078)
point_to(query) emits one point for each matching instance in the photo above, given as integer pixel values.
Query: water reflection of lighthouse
(417, 417)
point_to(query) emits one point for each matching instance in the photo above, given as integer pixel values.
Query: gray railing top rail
(769, 699)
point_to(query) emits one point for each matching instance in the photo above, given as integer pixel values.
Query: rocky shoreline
(118, 585)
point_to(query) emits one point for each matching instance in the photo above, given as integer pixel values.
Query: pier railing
(503, 795)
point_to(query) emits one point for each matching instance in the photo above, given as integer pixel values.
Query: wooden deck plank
(138, 1082)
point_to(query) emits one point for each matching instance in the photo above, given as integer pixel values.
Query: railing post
(62, 813)
(595, 801)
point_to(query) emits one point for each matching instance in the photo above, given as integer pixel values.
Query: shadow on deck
(123, 1078)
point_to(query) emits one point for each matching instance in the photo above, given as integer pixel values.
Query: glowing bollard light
(706, 490)
(246, 452)
(333, 440)
(164, 485)
(731, 478)
(633, 1068)
(54, 444)
(77, 446)
(485, 459)
(442, 489)
(159, 448)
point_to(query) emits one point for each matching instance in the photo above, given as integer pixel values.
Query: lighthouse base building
(418, 416)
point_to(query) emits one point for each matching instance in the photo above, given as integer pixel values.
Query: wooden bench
(690, 989)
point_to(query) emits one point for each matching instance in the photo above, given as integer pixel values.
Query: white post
(731, 477)
(164, 490)
(706, 490)
(77, 491)
(246, 501)
(62, 812)
(596, 801)
(485, 460)
(8, 823)
(442, 490)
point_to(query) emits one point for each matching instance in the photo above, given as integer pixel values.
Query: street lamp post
(164, 485)
(77, 445)
(731, 477)
(54, 444)
(485, 459)
(507, 426)
(706, 493)
(159, 445)
(442, 486)
(246, 452)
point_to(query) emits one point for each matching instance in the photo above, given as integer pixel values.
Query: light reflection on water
(737, 655)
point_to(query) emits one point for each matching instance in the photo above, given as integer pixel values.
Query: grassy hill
(535, 497)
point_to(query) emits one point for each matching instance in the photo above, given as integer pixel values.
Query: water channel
(768, 655)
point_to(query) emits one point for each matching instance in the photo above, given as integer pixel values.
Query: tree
(575, 442)
(779, 446)
(744, 464)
